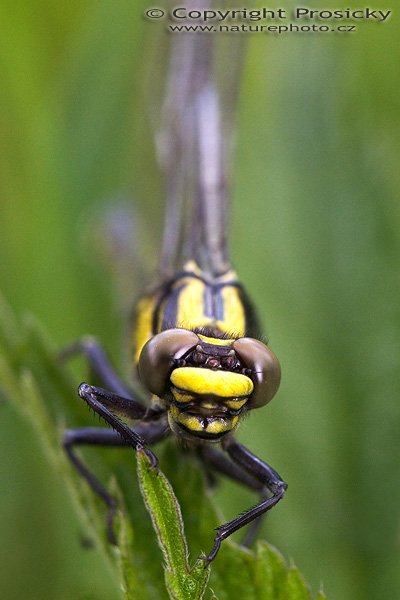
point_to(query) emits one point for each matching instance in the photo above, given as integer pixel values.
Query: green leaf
(271, 571)
(132, 584)
(294, 588)
(182, 582)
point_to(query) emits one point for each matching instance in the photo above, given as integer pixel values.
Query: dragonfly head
(208, 383)
(207, 403)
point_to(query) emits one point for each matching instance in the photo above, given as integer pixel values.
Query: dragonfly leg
(263, 473)
(98, 362)
(117, 405)
(103, 402)
(216, 460)
(74, 437)
(95, 436)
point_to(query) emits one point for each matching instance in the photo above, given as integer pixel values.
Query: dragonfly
(197, 352)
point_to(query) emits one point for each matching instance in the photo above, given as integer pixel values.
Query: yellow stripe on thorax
(143, 326)
(234, 315)
(192, 312)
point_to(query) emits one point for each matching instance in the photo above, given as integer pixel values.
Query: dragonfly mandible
(196, 351)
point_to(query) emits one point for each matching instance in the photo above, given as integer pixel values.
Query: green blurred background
(315, 237)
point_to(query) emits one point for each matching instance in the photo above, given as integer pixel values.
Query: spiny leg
(89, 436)
(99, 399)
(217, 461)
(127, 407)
(124, 404)
(120, 435)
(259, 470)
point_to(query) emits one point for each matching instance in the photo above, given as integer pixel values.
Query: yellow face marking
(196, 424)
(235, 403)
(181, 396)
(192, 422)
(224, 384)
(235, 422)
(215, 341)
(218, 426)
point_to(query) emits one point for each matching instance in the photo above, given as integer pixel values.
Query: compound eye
(266, 371)
(159, 354)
